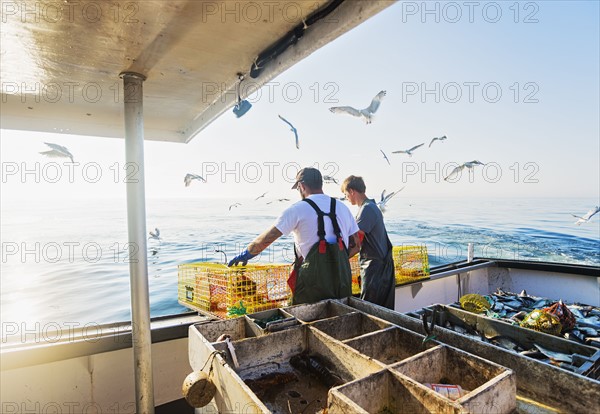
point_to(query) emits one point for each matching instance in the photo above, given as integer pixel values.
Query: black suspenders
(321, 224)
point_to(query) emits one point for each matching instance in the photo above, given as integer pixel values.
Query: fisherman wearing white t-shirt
(325, 235)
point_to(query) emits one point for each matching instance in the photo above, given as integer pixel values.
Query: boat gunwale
(111, 337)
(173, 327)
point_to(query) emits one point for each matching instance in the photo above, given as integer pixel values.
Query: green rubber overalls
(325, 271)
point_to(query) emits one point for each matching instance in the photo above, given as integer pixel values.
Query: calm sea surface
(68, 263)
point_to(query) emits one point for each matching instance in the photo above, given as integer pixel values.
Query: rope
(211, 359)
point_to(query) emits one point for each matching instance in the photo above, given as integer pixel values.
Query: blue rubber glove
(242, 257)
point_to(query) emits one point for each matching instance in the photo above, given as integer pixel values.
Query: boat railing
(41, 346)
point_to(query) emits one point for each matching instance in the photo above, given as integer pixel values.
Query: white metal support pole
(136, 226)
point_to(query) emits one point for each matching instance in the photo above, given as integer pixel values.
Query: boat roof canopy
(61, 60)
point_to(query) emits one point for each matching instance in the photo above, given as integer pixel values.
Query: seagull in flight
(385, 156)
(442, 138)
(189, 177)
(260, 196)
(329, 180)
(366, 114)
(587, 216)
(155, 234)
(469, 165)
(57, 151)
(408, 151)
(281, 200)
(293, 129)
(234, 205)
(385, 198)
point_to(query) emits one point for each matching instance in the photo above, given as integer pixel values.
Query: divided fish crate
(337, 359)
(405, 387)
(226, 292)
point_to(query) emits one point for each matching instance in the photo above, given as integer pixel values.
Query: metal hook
(244, 106)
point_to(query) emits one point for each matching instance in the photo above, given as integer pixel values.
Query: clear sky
(513, 85)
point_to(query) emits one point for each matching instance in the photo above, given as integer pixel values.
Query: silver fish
(519, 316)
(575, 310)
(542, 303)
(497, 306)
(514, 304)
(593, 341)
(588, 331)
(533, 353)
(555, 356)
(505, 342)
(592, 322)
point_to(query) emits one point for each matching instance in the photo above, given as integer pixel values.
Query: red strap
(322, 247)
(292, 280)
(341, 243)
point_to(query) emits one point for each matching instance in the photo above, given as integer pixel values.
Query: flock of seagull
(367, 115)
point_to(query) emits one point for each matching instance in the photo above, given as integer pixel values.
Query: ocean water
(66, 264)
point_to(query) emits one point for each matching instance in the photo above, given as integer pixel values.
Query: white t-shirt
(301, 219)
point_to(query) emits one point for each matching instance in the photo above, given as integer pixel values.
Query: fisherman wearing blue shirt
(375, 257)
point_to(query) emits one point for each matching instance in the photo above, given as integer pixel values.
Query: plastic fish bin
(411, 263)
(486, 386)
(320, 310)
(390, 345)
(227, 292)
(350, 326)
(584, 359)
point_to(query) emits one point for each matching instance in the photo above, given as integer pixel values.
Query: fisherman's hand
(243, 257)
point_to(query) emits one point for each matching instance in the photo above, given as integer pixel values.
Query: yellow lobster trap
(411, 263)
(355, 268)
(228, 292)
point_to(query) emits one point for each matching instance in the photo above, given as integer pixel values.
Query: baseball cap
(309, 176)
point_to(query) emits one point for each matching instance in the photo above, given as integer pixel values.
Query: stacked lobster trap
(227, 292)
